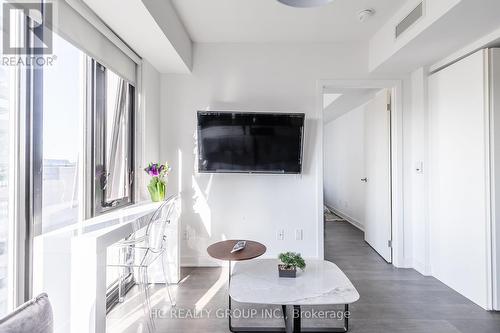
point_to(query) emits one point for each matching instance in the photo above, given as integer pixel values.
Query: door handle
(364, 179)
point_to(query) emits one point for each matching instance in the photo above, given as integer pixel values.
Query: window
(66, 137)
(5, 225)
(74, 87)
(9, 80)
(113, 134)
(62, 135)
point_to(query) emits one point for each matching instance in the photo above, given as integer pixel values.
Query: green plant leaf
(292, 259)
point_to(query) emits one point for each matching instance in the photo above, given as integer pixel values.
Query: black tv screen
(250, 142)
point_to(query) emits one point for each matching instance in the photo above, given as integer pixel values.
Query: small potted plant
(289, 263)
(158, 185)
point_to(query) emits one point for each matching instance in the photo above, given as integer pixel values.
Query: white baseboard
(405, 263)
(346, 217)
(421, 268)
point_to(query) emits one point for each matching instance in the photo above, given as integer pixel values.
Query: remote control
(239, 246)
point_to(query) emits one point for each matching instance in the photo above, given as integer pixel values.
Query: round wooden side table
(222, 251)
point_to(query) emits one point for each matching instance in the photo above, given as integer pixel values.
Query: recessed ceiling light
(305, 3)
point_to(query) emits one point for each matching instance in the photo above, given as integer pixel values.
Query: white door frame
(396, 87)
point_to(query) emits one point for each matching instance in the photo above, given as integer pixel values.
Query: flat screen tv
(250, 142)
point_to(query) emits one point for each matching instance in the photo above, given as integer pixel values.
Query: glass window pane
(117, 137)
(7, 98)
(5, 80)
(63, 101)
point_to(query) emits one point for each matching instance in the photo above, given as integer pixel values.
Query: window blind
(75, 27)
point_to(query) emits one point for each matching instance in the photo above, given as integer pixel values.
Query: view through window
(7, 94)
(113, 130)
(63, 105)
(5, 80)
(118, 138)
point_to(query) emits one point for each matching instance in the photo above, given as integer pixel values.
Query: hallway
(399, 300)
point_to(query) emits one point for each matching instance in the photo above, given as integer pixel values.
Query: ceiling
(329, 99)
(348, 100)
(468, 21)
(261, 21)
(135, 22)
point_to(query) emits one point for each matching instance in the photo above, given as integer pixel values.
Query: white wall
(344, 165)
(253, 77)
(416, 164)
(150, 123)
(150, 147)
(151, 81)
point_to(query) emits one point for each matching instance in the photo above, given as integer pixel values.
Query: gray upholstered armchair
(34, 316)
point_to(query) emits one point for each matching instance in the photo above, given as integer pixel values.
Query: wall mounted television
(250, 142)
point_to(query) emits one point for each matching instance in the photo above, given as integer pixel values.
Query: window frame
(28, 107)
(98, 125)
(25, 147)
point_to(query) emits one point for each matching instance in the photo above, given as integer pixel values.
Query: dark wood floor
(400, 300)
(392, 300)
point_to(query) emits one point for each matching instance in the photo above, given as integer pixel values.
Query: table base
(293, 323)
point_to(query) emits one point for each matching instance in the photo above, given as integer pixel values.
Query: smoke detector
(364, 14)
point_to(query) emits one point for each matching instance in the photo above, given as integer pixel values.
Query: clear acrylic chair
(139, 251)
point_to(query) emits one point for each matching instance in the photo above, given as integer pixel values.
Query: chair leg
(122, 259)
(120, 298)
(148, 297)
(141, 283)
(167, 281)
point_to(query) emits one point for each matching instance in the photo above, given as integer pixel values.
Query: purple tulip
(157, 170)
(154, 172)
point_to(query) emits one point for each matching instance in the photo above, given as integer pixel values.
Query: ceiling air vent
(410, 19)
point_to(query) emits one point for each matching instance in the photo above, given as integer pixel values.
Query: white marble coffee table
(322, 283)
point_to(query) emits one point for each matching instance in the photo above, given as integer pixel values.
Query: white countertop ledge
(110, 227)
(107, 222)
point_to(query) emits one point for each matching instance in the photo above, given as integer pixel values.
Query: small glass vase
(157, 190)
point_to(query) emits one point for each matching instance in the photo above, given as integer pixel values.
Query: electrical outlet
(299, 234)
(280, 235)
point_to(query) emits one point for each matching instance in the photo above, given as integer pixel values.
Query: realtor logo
(27, 28)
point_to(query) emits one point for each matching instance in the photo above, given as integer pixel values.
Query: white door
(378, 222)
(459, 178)
(494, 80)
